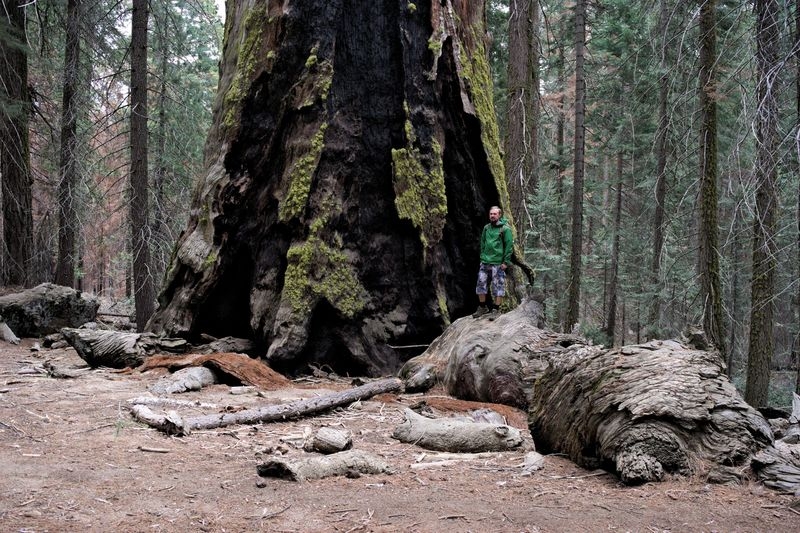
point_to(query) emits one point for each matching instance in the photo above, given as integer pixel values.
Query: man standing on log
(497, 245)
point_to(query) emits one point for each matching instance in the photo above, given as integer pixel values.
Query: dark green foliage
(623, 68)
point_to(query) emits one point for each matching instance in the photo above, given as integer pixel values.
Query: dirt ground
(73, 459)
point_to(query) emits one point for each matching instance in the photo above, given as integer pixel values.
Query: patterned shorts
(498, 276)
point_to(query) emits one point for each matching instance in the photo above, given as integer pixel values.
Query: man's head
(494, 214)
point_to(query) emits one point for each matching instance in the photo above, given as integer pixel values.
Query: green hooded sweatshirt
(497, 243)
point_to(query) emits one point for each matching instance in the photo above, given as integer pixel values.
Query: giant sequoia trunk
(352, 160)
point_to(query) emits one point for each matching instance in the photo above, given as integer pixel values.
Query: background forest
(651, 155)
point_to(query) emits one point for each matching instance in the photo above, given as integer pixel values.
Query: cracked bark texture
(351, 163)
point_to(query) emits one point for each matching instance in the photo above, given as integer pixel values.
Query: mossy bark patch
(300, 175)
(419, 186)
(317, 270)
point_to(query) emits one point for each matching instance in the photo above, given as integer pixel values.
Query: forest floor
(73, 459)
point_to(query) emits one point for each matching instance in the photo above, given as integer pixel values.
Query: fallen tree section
(451, 435)
(272, 413)
(116, 349)
(348, 463)
(643, 411)
(489, 361)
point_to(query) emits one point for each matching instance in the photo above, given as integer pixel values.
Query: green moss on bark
(316, 270)
(420, 190)
(255, 24)
(300, 176)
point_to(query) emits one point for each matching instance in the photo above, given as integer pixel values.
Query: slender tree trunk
(708, 252)
(144, 293)
(573, 312)
(161, 246)
(734, 311)
(611, 317)
(796, 349)
(762, 338)
(17, 245)
(68, 166)
(560, 170)
(662, 135)
(518, 143)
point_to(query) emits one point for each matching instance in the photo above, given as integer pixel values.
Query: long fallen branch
(173, 424)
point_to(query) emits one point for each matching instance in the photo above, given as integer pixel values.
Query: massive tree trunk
(353, 156)
(765, 247)
(17, 243)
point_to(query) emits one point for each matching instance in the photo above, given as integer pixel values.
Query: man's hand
(503, 266)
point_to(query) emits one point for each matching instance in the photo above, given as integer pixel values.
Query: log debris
(269, 413)
(451, 435)
(351, 463)
(116, 349)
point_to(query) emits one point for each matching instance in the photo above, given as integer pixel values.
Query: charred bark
(350, 165)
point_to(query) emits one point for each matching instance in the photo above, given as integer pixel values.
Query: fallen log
(7, 335)
(644, 411)
(46, 308)
(349, 463)
(270, 413)
(451, 435)
(778, 466)
(639, 411)
(185, 380)
(116, 349)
